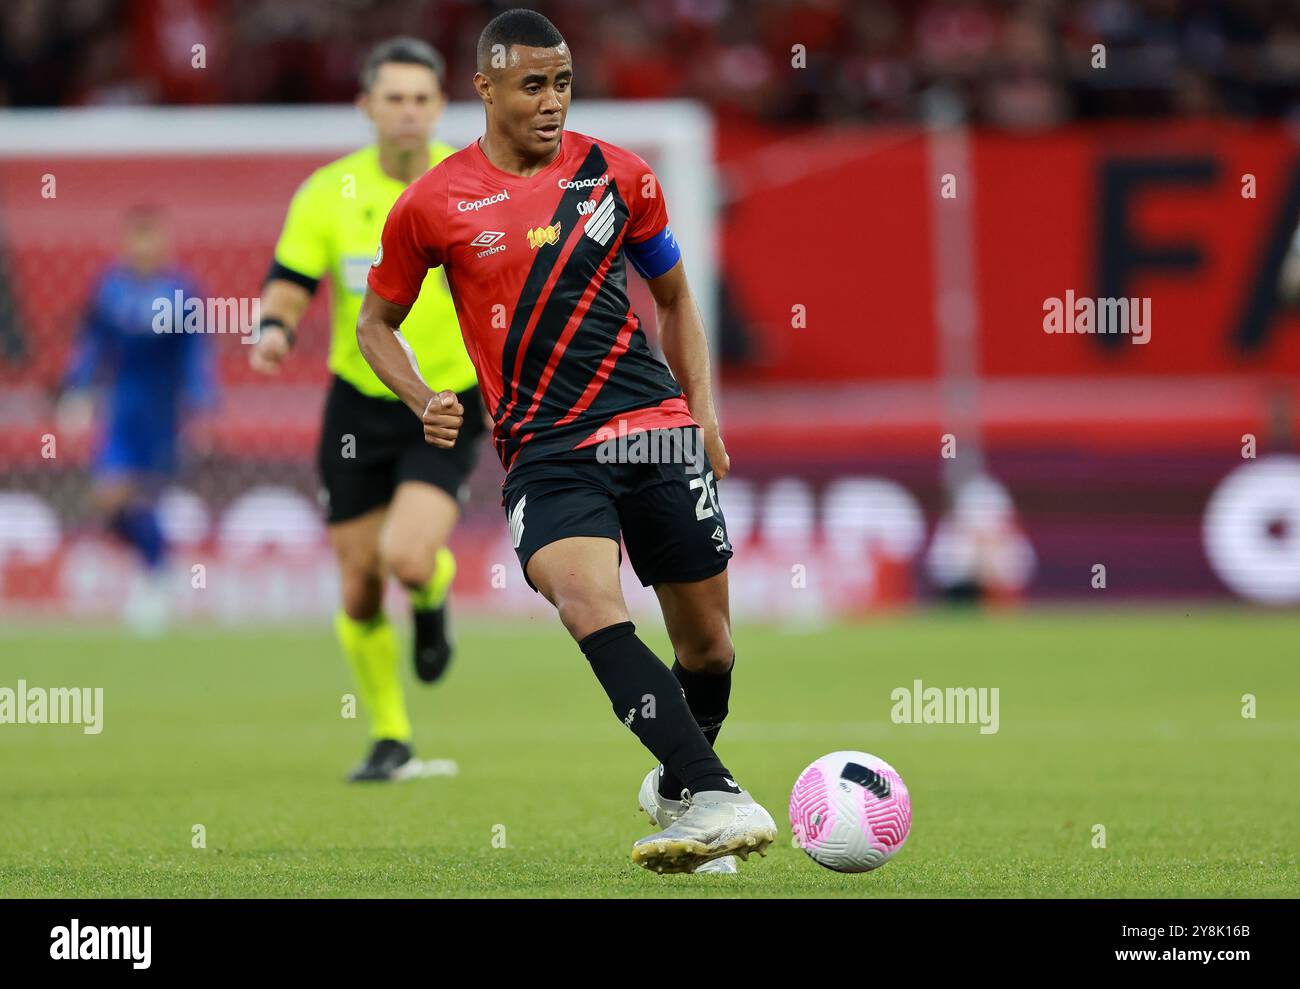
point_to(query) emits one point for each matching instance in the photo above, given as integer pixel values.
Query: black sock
(706, 695)
(648, 699)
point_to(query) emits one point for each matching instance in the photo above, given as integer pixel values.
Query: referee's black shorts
(666, 512)
(368, 446)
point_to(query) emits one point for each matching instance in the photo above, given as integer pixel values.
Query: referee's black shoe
(389, 761)
(432, 643)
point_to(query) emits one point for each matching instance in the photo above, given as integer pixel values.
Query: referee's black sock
(648, 699)
(706, 695)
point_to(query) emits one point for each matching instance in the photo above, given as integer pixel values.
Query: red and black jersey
(537, 272)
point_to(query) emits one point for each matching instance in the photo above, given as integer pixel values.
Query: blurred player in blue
(153, 374)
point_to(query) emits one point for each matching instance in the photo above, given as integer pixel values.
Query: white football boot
(706, 828)
(662, 812)
(147, 612)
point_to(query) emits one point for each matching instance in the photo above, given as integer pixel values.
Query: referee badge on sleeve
(355, 270)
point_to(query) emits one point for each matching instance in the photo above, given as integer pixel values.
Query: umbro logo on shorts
(517, 522)
(720, 537)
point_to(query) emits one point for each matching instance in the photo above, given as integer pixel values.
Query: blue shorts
(124, 450)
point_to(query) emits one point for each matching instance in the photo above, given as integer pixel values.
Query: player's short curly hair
(404, 50)
(515, 27)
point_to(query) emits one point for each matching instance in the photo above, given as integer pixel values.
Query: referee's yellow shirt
(333, 228)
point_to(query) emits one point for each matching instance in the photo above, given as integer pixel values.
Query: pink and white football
(850, 811)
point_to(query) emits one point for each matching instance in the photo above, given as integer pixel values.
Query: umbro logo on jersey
(379, 257)
(600, 225)
(488, 240)
(539, 236)
(470, 206)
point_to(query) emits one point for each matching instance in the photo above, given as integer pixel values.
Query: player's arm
(384, 350)
(74, 404)
(409, 247)
(283, 304)
(302, 257)
(681, 334)
(652, 250)
(90, 349)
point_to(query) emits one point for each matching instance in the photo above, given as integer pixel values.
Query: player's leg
(119, 494)
(579, 576)
(419, 523)
(424, 510)
(126, 482)
(565, 527)
(698, 620)
(414, 549)
(676, 540)
(370, 646)
(356, 467)
(131, 517)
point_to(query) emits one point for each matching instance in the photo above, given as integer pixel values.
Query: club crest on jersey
(539, 236)
(600, 225)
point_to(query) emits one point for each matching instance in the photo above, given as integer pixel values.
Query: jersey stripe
(537, 286)
(594, 286)
(582, 278)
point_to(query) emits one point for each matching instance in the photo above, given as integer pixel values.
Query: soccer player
(391, 500)
(531, 225)
(159, 376)
(132, 335)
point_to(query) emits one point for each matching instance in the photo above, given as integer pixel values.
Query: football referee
(391, 499)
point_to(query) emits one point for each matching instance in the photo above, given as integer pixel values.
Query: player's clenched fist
(442, 419)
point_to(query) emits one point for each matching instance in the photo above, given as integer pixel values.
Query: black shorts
(368, 446)
(667, 513)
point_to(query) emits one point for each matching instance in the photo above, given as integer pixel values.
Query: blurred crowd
(1007, 63)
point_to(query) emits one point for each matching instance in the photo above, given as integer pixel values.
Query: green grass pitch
(1131, 720)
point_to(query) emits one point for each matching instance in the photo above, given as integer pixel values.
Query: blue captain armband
(651, 258)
